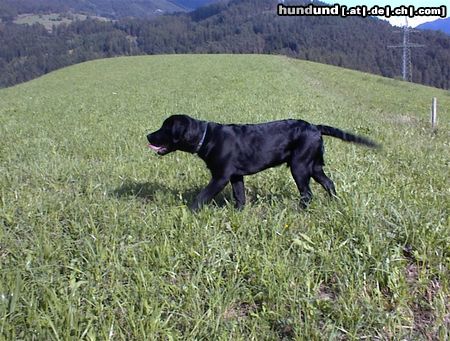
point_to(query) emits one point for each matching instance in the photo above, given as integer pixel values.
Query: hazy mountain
(193, 4)
(437, 25)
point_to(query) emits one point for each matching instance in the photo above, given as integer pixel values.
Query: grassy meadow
(97, 243)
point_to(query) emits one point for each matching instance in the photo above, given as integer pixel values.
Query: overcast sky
(399, 21)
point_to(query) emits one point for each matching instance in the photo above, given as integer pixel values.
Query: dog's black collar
(202, 140)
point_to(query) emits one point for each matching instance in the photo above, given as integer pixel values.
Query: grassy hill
(96, 240)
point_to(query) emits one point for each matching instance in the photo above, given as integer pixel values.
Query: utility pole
(406, 46)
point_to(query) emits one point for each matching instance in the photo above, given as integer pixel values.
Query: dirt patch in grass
(239, 311)
(402, 119)
(425, 320)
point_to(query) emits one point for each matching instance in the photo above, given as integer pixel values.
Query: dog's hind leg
(318, 173)
(301, 169)
(320, 176)
(302, 176)
(308, 153)
(237, 183)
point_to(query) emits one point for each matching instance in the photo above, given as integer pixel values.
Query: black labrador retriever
(231, 151)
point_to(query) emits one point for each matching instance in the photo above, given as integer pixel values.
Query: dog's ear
(179, 129)
(193, 134)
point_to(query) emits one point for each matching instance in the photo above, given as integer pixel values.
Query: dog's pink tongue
(155, 148)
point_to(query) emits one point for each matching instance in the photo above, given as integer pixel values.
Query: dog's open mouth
(158, 149)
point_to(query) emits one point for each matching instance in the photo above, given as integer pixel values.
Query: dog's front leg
(209, 192)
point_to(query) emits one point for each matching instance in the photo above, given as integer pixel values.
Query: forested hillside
(114, 9)
(240, 26)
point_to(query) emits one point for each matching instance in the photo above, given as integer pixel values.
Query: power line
(406, 46)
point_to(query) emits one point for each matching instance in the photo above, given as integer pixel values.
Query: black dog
(234, 150)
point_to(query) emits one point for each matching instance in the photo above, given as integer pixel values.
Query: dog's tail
(340, 134)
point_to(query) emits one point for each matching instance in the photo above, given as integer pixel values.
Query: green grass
(96, 241)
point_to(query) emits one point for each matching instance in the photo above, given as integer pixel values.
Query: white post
(434, 114)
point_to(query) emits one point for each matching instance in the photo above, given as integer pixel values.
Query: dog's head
(178, 132)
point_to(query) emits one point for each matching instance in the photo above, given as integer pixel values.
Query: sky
(398, 21)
